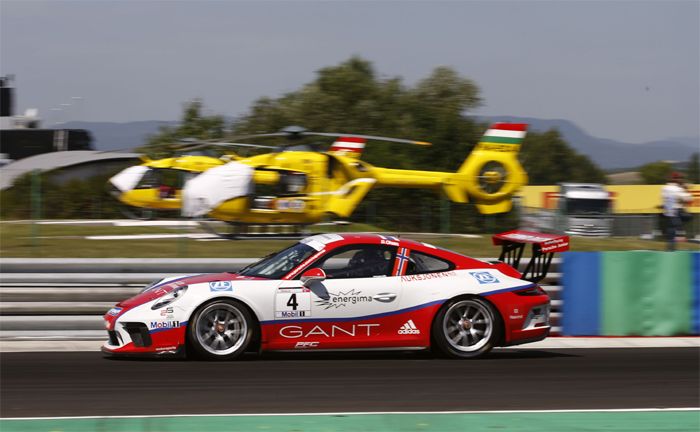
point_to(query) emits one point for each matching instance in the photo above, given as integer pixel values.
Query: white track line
(151, 236)
(613, 342)
(607, 410)
(8, 345)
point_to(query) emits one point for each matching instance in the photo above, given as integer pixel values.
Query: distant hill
(120, 136)
(608, 154)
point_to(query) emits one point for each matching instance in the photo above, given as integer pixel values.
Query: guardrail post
(36, 207)
(444, 214)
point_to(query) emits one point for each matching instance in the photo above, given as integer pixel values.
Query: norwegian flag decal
(401, 259)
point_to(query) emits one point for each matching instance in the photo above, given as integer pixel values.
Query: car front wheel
(221, 329)
(466, 328)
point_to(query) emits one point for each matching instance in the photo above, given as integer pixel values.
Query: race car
(345, 292)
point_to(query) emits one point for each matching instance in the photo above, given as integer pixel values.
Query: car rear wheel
(466, 328)
(221, 329)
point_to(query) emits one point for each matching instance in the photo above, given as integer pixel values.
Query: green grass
(21, 240)
(653, 421)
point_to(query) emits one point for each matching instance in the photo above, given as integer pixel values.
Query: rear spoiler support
(544, 246)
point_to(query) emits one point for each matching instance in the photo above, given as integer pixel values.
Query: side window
(358, 261)
(150, 180)
(424, 263)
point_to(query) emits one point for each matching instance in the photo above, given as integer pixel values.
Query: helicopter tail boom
(488, 177)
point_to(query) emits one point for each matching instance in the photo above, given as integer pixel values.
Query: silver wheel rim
(221, 329)
(467, 325)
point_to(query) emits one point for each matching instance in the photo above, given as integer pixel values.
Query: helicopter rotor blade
(273, 134)
(370, 137)
(236, 144)
(291, 132)
(223, 144)
(298, 131)
(191, 147)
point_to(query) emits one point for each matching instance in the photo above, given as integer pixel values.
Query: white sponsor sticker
(319, 241)
(484, 277)
(293, 303)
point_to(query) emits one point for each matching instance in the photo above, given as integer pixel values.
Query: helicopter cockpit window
(166, 180)
(187, 176)
(150, 180)
(171, 177)
(358, 261)
(292, 183)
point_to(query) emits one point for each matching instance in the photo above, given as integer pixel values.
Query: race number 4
(292, 303)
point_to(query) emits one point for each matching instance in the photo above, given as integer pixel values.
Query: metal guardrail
(66, 298)
(120, 265)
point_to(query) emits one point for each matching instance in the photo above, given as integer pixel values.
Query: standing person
(674, 197)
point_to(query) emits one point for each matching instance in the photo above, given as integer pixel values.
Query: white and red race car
(345, 291)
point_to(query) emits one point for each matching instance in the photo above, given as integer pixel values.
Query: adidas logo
(409, 328)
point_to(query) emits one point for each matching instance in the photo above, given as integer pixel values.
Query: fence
(66, 298)
(641, 293)
(622, 225)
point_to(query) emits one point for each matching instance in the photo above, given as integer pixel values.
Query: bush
(76, 198)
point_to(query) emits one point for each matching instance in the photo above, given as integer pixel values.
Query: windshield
(277, 265)
(156, 177)
(587, 206)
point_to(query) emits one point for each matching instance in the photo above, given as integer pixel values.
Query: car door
(351, 307)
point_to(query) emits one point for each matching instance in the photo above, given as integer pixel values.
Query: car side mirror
(312, 275)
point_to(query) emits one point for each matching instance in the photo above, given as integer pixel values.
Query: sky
(625, 70)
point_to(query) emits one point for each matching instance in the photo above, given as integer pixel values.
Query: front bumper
(179, 352)
(132, 336)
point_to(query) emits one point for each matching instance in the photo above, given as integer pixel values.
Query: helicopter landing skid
(255, 232)
(136, 213)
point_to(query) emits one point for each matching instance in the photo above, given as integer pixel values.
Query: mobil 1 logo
(293, 303)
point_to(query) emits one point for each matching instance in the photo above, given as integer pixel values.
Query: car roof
(335, 240)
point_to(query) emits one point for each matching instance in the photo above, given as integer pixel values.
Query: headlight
(169, 297)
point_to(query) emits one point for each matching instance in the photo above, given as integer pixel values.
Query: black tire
(466, 327)
(221, 329)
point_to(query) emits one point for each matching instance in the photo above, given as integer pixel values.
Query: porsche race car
(346, 292)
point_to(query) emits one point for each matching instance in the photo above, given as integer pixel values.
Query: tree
(548, 159)
(655, 172)
(76, 198)
(693, 171)
(350, 98)
(194, 124)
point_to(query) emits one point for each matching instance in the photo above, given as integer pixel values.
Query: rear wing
(544, 246)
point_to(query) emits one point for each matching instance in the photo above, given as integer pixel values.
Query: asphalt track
(86, 384)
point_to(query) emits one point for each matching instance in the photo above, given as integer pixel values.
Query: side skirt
(352, 349)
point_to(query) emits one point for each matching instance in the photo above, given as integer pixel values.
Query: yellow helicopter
(297, 185)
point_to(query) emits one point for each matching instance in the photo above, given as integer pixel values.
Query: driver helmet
(367, 257)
